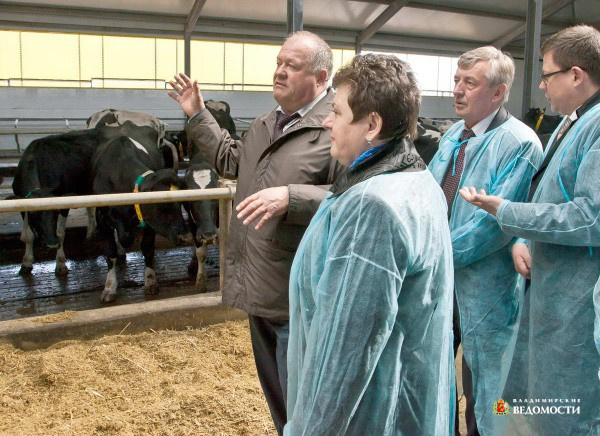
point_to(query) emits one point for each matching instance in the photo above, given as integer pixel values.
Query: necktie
(564, 128)
(282, 121)
(450, 183)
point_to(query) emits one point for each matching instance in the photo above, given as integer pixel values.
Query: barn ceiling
(445, 27)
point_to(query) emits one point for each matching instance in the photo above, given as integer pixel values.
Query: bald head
(304, 64)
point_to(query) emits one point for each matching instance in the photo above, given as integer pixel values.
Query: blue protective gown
(562, 226)
(371, 313)
(488, 291)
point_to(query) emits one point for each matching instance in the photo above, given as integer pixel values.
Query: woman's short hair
(577, 46)
(501, 67)
(386, 85)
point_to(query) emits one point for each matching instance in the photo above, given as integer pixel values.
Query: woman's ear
(375, 126)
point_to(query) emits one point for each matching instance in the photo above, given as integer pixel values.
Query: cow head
(121, 220)
(165, 219)
(202, 213)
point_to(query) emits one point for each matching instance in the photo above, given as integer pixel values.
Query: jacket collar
(501, 117)
(590, 103)
(399, 155)
(313, 118)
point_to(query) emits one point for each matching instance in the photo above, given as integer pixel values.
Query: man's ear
(501, 91)
(321, 77)
(578, 76)
(375, 126)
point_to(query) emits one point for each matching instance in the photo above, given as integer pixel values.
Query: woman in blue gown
(370, 347)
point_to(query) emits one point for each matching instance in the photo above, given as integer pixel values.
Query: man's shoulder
(520, 132)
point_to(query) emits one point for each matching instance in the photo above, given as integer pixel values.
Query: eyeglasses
(546, 76)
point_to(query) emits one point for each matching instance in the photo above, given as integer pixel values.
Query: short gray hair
(321, 57)
(501, 67)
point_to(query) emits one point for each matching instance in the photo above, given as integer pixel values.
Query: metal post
(225, 209)
(532, 47)
(294, 16)
(187, 55)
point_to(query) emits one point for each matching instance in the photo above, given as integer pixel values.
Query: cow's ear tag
(174, 188)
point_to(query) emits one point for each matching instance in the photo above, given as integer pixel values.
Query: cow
(120, 117)
(202, 216)
(59, 165)
(541, 123)
(50, 167)
(222, 114)
(427, 141)
(125, 165)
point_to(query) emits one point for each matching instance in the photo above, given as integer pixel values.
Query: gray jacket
(258, 263)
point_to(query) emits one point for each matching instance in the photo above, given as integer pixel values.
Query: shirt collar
(481, 127)
(303, 111)
(590, 102)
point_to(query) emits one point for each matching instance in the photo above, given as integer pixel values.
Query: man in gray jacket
(279, 166)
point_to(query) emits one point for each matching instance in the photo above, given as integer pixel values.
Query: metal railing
(224, 195)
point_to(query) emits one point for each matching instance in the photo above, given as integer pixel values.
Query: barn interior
(214, 39)
(209, 36)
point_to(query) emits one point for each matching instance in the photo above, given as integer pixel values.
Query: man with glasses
(492, 148)
(557, 356)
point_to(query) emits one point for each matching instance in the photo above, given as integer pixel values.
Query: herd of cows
(122, 152)
(119, 152)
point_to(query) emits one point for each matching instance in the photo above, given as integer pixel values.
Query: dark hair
(577, 46)
(386, 85)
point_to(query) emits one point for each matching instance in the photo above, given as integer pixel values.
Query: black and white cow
(222, 114)
(428, 140)
(120, 117)
(125, 165)
(50, 167)
(542, 124)
(59, 165)
(202, 216)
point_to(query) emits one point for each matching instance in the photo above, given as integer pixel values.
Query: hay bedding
(169, 383)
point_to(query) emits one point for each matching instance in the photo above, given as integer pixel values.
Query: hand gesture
(489, 203)
(269, 202)
(187, 94)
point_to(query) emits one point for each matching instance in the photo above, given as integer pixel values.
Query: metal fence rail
(224, 195)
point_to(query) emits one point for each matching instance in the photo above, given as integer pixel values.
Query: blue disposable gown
(562, 226)
(371, 313)
(488, 291)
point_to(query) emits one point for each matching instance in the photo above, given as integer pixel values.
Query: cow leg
(61, 259)
(150, 283)
(201, 254)
(91, 228)
(27, 237)
(193, 265)
(121, 252)
(109, 293)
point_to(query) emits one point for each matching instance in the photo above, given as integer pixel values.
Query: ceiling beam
(385, 16)
(520, 30)
(193, 17)
(463, 11)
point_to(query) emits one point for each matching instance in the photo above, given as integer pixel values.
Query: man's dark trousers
(467, 382)
(269, 343)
